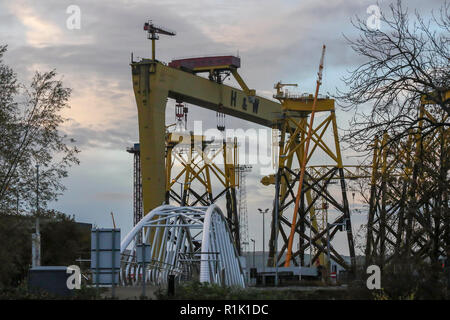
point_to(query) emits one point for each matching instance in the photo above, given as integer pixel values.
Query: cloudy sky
(276, 40)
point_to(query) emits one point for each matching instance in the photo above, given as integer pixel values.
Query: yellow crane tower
(294, 159)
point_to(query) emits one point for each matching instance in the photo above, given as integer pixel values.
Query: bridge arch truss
(188, 242)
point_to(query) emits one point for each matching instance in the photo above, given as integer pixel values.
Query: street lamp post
(264, 239)
(275, 219)
(310, 244)
(253, 252)
(328, 247)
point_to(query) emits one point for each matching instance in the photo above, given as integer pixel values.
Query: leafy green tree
(30, 128)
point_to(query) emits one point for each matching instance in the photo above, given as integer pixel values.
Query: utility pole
(253, 240)
(36, 237)
(36, 246)
(264, 240)
(37, 189)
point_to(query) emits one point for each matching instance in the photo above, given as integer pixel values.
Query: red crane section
(207, 62)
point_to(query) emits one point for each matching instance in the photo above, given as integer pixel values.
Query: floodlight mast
(152, 34)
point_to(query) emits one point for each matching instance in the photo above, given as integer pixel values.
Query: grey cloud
(117, 136)
(112, 196)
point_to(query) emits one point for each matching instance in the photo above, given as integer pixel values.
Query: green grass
(204, 291)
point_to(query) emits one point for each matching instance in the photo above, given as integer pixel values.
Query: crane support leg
(151, 103)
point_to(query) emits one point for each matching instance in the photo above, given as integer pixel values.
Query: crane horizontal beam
(151, 28)
(190, 88)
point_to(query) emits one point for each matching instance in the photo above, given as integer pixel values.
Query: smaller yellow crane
(152, 34)
(279, 86)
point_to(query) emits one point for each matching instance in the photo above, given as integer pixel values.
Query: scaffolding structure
(137, 183)
(243, 213)
(407, 222)
(201, 172)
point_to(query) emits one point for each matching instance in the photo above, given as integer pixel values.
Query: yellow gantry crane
(154, 82)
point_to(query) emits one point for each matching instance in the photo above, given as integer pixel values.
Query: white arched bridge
(192, 243)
